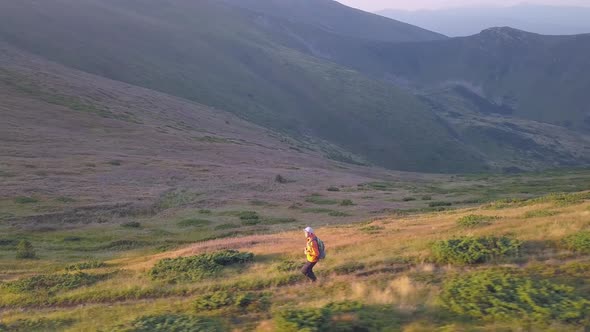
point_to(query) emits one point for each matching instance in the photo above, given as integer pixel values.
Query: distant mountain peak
(507, 33)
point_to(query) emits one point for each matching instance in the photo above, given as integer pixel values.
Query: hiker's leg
(307, 270)
(311, 275)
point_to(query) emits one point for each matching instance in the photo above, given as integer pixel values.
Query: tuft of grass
(25, 250)
(26, 200)
(475, 220)
(426, 198)
(115, 162)
(204, 211)
(409, 199)
(333, 189)
(474, 250)
(540, 214)
(289, 266)
(372, 229)
(64, 199)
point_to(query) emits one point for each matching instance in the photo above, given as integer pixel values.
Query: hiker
(312, 253)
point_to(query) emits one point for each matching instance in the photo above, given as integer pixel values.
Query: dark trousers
(307, 270)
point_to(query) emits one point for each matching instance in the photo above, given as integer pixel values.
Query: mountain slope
(229, 58)
(339, 19)
(543, 78)
(549, 20)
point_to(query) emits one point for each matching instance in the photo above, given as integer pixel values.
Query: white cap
(309, 229)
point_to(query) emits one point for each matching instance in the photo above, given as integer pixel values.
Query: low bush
(408, 199)
(193, 222)
(131, 224)
(85, 266)
(26, 200)
(474, 220)
(344, 316)
(426, 198)
(204, 211)
(213, 301)
(197, 267)
(346, 202)
(579, 242)
(281, 179)
(439, 204)
(248, 215)
(474, 250)
(25, 250)
(53, 282)
(333, 189)
(499, 295)
(249, 301)
(176, 323)
(38, 324)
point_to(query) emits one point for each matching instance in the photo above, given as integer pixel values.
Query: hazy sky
(373, 5)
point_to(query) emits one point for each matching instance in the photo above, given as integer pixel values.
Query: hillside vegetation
(525, 266)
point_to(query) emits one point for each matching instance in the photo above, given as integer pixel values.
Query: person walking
(312, 253)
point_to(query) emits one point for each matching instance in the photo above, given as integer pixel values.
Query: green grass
(193, 222)
(320, 200)
(474, 250)
(26, 200)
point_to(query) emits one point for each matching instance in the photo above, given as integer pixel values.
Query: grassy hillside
(220, 56)
(510, 265)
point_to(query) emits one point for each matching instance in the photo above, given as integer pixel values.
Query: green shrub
(499, 295)
(176, 323)
(38, 324)
(439, 204)
(131, 224)
(579, 242)
(333, 189)
(474, 250)
(408, 199)
(53, 282)
(540, 214)
(25, 250)
(253, 302)
(197, 267)
(346, 202)
(85, 266)
(26, 200)
(193, 222)
(295, 320)
(426, 198)
(289, 266)
(204, 211)
(337, 317)
(474, 220)
(213, 301)
(64, 199)
(248, 215)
